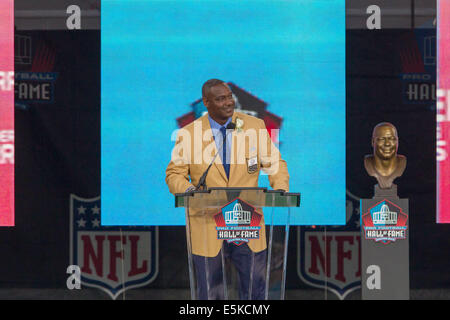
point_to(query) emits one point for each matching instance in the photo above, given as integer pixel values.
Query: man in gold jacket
(241, 152)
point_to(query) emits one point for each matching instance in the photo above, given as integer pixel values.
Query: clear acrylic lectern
(237, 240)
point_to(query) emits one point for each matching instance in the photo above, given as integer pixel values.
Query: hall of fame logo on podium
(385, 222)
(238, 222)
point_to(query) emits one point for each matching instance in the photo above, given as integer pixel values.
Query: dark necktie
(226, 165)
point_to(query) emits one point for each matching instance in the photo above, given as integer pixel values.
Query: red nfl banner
(443, 113)
(6, 113)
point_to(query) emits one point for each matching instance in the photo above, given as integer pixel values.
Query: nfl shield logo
(330, 257)
(113, 259)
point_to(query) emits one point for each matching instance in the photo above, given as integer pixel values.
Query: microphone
(202, 181)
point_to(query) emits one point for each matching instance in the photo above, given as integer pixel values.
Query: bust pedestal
(384, 246)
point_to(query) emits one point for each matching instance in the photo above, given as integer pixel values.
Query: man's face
(385, 142)
(220, 103)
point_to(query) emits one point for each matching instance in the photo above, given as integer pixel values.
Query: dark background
(58, 154)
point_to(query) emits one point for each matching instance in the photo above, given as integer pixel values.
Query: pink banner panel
(443, 113)
(6, 113)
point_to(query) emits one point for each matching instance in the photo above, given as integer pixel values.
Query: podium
(237, 241)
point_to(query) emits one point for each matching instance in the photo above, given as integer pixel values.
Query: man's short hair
(209, 84)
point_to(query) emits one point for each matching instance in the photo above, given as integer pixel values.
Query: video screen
(284, 61)
(7, 113)
(443, 114)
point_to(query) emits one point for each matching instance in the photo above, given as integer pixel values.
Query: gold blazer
(251, 150)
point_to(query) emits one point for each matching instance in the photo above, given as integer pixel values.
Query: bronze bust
(385, 164)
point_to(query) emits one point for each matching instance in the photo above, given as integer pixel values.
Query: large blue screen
(286, 59)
